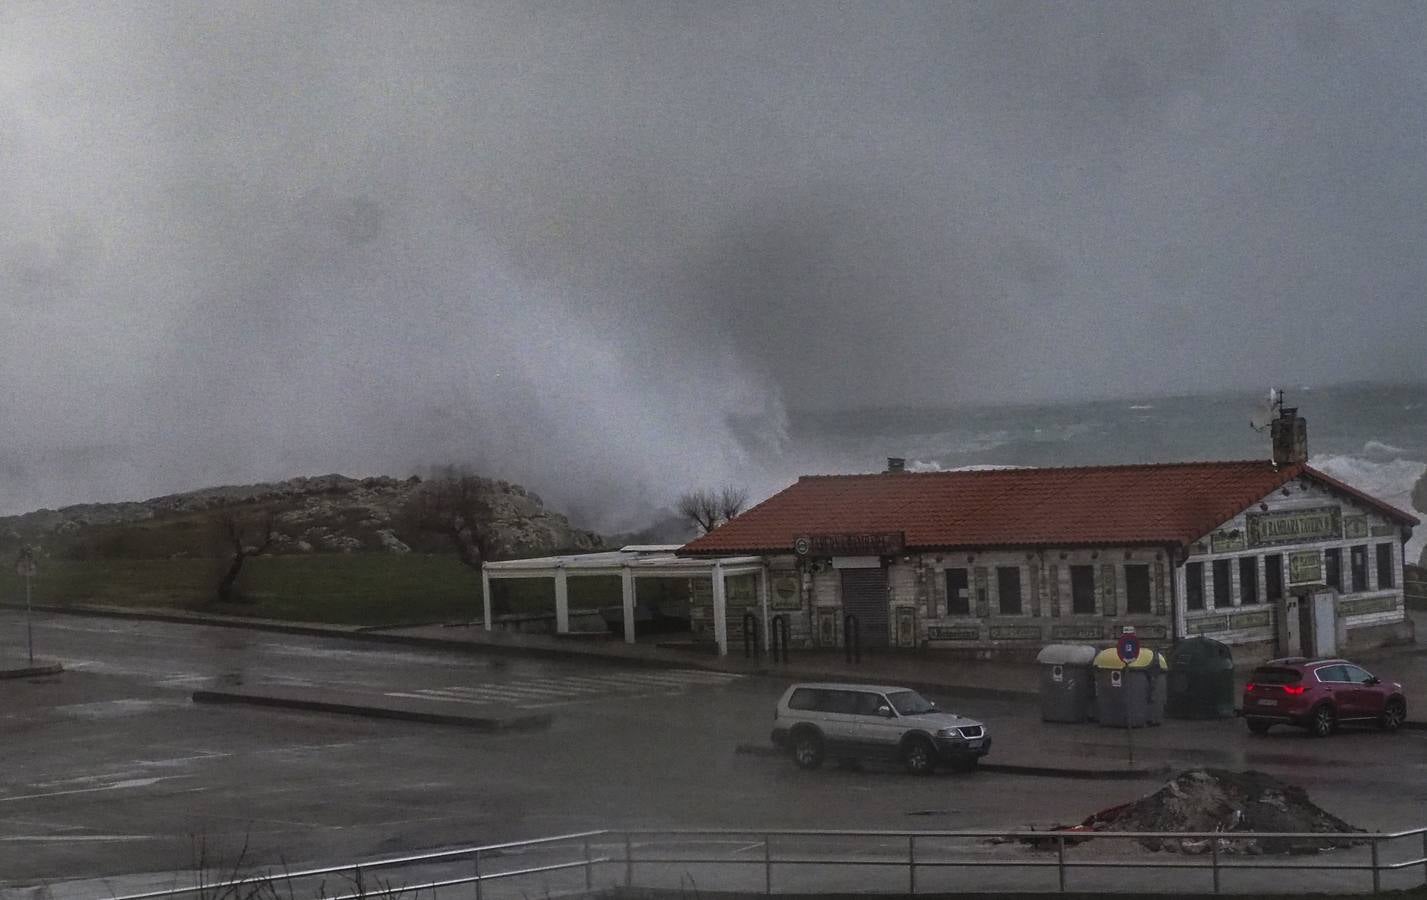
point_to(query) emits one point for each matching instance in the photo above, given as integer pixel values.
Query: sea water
(1373, 437)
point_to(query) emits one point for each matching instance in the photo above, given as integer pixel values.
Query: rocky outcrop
(322, 514)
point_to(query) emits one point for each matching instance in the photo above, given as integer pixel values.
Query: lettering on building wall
(1229, 541)
(1363, 605)
(1015, 632)
(1321, 523)
(889, 543)
(1152, 632)
(1305, 567)
(953, 633)
(1355, 527)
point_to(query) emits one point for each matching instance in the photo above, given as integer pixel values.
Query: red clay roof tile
(1164, 503)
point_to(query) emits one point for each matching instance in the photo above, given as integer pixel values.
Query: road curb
(1125, 774)
(479, 723)
(368, 635)
(32, 671)
(372, 634)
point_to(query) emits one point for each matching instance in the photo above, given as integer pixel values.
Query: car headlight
(949, 733)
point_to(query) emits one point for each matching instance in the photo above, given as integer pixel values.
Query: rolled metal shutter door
(864, 595)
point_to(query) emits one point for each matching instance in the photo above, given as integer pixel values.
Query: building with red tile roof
(1014, 559)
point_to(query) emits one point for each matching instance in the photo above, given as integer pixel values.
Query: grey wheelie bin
(1128, 696)
(1201, 680)
(1067, 682)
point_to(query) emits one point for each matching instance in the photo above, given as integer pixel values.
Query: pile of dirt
(1219, 800)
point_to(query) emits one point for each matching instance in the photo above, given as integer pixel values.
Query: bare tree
(236, 532)
(708, 509)
(457, 503)
(731, 501)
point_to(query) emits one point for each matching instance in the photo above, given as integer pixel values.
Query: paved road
(109, 772)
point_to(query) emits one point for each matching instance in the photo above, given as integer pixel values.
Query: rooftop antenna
(1267, 409)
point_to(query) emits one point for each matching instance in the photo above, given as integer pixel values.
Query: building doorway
(864, 595)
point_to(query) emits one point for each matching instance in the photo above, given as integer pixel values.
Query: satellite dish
(1266, 410)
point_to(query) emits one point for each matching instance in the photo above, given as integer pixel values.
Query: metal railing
(361, 874)
(1212, 859)
(833, 850)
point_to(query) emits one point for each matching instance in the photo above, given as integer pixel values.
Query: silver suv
(858, 721)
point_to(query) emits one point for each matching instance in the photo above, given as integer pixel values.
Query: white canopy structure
(630, 564)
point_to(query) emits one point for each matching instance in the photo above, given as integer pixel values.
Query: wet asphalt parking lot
(109, 771)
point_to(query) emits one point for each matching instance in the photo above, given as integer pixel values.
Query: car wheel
(1259, 726)
(1323, 721)
(919, 756)
(1393, 715)
(807, 749)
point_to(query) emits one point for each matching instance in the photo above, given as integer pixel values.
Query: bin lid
(1110, 659)
(1066, 654)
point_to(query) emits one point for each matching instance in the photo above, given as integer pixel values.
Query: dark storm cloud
(597, 248)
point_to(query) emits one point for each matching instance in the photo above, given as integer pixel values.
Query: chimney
(896, 464)
(1290, 437)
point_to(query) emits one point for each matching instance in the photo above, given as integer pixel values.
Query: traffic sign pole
(1128, 649)
(25, 567)
(29, 623)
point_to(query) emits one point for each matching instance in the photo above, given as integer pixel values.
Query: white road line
(438, 699)
(116, 786)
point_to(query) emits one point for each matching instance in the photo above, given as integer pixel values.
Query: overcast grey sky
(605, 243)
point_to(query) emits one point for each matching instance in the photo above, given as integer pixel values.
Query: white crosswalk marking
(535, 692)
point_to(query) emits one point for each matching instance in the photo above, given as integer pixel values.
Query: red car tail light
(1293, 690)
(1249, 688)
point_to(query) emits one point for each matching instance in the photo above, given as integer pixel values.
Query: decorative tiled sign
(1015, 632)
(1257, 619)
(1207, 626)
(1294, 526)
(953, 633)
(1305, 567)
(1363, 605)
(1384, 530)
(1355, 527)
(1226, 541)
(1075, 632)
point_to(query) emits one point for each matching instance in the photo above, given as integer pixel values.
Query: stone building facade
(995, 563)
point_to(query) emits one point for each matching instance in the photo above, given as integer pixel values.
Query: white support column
(720, 604)
(486, 596)
(562, 601)
(627, 578)
(763, 601)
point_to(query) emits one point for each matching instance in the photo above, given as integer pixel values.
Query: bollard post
(750, 636)
(1424, 858)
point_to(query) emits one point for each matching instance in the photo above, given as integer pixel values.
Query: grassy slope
(355, 589)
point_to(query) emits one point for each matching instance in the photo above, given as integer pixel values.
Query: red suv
(1317, 694)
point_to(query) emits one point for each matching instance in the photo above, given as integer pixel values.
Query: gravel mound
(1220, 800)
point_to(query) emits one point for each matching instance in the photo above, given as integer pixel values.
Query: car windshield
(910, 703)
